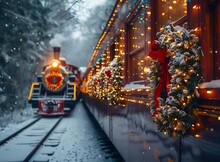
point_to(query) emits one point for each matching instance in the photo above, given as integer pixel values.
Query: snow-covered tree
(88, 31)
(25, 33)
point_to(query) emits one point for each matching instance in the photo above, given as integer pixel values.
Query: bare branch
(65, 12)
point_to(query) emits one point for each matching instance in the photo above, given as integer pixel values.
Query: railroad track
(24, 143)
(18, 131)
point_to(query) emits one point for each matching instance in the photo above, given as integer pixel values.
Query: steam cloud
(57, 40)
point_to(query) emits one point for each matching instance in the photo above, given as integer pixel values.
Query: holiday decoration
(108, 73)
(160, 55)
(54, 81)
(107, 83)
(115, 82)
(100, 91)
(175, 75)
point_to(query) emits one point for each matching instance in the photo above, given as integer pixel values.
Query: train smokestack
(56, 52)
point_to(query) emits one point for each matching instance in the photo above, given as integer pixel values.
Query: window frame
(131, 53)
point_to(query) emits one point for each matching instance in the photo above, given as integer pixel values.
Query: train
(57, 87)
(117, 84)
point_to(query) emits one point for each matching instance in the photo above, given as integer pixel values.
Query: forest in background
(26, 30)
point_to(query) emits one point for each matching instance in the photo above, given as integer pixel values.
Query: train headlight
(55, 64)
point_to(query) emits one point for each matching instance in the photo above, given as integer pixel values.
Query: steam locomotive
(56, 89)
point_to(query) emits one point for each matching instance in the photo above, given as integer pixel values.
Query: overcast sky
(83, 14)
(89, 4)
(73, 44)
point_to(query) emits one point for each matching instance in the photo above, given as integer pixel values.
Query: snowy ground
(76, 139)
(17, 119)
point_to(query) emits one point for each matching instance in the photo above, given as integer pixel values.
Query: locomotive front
(55, 91)
(55, 77)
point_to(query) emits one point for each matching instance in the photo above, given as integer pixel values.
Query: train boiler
(55, 91)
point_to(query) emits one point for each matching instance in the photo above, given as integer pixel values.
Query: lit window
(136, 43)
(170, 11)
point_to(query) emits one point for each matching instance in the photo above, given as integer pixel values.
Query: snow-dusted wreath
(175, 75)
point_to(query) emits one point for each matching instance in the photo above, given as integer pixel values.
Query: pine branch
(25, 19)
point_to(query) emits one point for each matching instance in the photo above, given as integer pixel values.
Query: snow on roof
(212, 84)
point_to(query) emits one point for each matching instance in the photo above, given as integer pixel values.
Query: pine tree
(25, 31)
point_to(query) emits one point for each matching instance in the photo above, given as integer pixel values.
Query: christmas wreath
(175, 75)
(54, 81)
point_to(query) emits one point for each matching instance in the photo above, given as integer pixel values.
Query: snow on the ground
(13, 127)
(15, 120)
(75, 139)
(81, 140)
(22, 144)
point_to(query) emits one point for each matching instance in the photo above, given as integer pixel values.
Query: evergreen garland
(107, 83)
(114, 91)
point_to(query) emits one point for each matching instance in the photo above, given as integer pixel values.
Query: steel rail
(34, 150)
(18, 131)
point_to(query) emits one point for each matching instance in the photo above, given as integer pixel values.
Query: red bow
(159, 54)
(108, 73)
